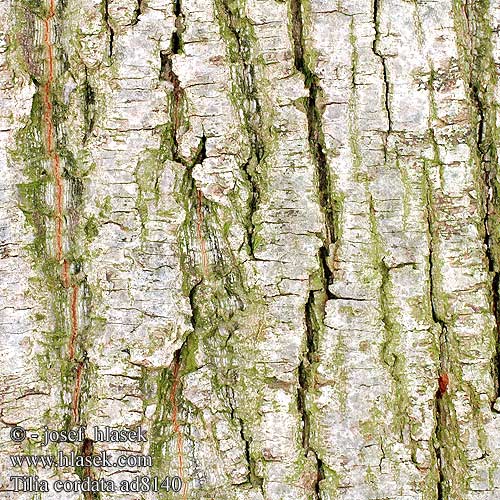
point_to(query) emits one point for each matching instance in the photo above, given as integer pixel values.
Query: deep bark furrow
(137, 13)
(88, 110)
(111, 31)
(324, 185)
(307, 381)
(480, 78)
(237, 27)
(314, 124)
(439, 408)
(176, 41)
(87, 450)
(378, 53)
(315, 136)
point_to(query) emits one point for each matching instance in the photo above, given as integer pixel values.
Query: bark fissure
(87, 450)
(176, 41)
(238, 28)
(111, 31)
(390, 348)
(315, 305)
(315, 137)
(440, 409)
(88, 108)
(306, 376)
(480, 78)
(191, 203)
(304, 371)
(70, 287)
(253, 478)
(385, 75)
(137, 12)
(167, 73)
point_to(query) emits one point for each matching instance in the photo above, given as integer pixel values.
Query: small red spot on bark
(444, 380)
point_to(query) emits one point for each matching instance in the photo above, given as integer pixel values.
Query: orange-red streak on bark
(175, 424)
(59, 197)
(49, 125)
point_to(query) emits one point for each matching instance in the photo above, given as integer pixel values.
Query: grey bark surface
(265, 231)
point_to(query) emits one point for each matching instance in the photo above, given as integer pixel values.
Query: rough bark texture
(266, 231)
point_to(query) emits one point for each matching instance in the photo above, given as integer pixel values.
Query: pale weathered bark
(265, 231)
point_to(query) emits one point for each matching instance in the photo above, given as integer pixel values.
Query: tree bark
(266, 232)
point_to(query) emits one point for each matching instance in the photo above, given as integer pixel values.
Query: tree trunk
(265, 232)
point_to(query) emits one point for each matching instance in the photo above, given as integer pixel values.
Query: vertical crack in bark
(178, 359)
(178, 95)
(238, 26)
(380, 55)
(87, 450)
(481, 79)
(316, 302)
(137, 13)
(253, 479)
(307, 375)
(196, 195)
(111, 32)
(389, 347)
(88, 108)
(167, 73)
(315, 137)
(441, 410)
(176, 42)
(66, 277)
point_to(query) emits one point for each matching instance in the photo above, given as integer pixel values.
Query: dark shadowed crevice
(87, 450)
(385, 75)
(486, 150)
(167, 73)
(439, 451)
(252, 478)
(305, 374)
(314, 321)
(176, 41)
(111, 32)
(378, 53)
(88, 108)
(315, 136)
(137, 12)
(238, 28)
(315, 305)
(439, 409)
(475, 43)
